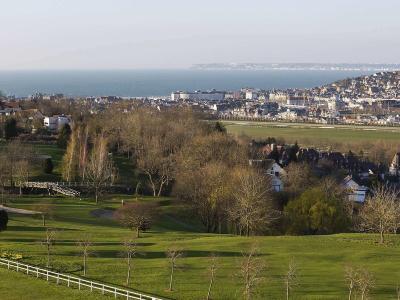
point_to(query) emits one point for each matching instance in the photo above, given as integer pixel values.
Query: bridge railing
(75, 281)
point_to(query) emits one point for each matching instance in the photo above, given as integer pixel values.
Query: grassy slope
(17, 286)
(320, 258)
(314, 135)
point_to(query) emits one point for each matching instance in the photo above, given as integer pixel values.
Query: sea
(142, 83)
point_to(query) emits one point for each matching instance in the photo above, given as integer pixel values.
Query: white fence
(74, 281)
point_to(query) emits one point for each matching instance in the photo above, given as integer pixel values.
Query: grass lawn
(320, 258)
(17, 286)
(313, 134)
(126, 171)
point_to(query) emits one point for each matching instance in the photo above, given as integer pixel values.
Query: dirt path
(19, 211)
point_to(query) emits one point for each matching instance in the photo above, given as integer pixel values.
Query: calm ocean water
(157, 82)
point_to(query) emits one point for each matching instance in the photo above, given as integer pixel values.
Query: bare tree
(251, 269)
(396, 222)
(70, 158)
(47, 211)
(21, 173)
(212, 269)
(291, 278)
(365, 282)
(4, 175)
(18, 157)
(173, 255)
(99, 168)
(136, 216)
(76, 155)
(130, 252)
(380, 211)
(351, 277)
(253, 211)
(48, 242)
(297, 178)
(157, 167)
(85, 245)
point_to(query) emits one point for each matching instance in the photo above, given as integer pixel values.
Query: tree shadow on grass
(152, 255)
(89, 221)
(38, 228)
(194, 253)
(99, 244)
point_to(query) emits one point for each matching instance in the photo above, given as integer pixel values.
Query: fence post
(115, 293)
(68, 282)
(17, 266)
(91, 286)
(79, 283)
(127, 295)
(58, 277)
(47, 275)
(27, 269)
(37, 272)
(103, 290)
(8, 264)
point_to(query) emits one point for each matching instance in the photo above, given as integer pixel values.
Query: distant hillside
(385, 85)
(299, 66)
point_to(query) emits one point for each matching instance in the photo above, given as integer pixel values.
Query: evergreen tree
(220, 127)
(48, 166)
(63, 136)
(10, 129)
(293, 152)
(3, 220)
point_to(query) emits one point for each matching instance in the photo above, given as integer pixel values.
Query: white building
(355, 192)
(212, 95)
(273, 170)
(55, 123)
(394, 169)
(251, 95)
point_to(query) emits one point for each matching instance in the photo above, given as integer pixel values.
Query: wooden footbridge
(52, 186)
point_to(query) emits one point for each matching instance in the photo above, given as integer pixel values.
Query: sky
(158, 34)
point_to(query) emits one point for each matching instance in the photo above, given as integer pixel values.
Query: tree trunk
(84, 264)
(350, 291)
(209, 287)
(44, 220)
(48, 257)
(382, 238)
(287, 290)
(128, 276)
(137, 232)
(160, 189)
(153, 186)
(171, 277)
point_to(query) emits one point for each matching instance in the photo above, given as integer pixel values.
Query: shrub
(10, 255)
(316, 212)
(10, 129)
(48, 166)
(3, 220)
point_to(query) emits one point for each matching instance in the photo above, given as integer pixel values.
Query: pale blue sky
(137, 34)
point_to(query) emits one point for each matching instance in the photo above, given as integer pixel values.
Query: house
(54, 123)
(274, 171)
(9, 108)
(356, 192)
(394, 169)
